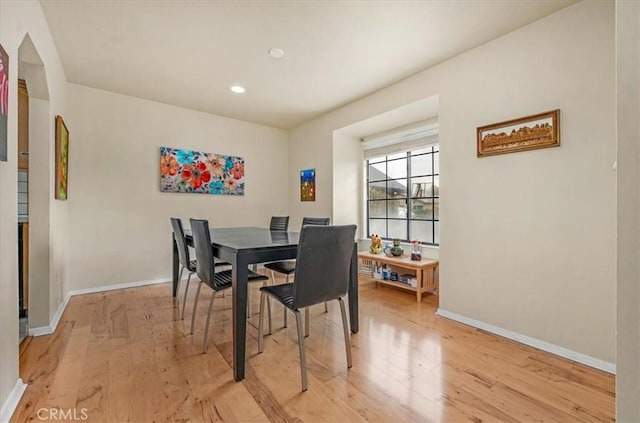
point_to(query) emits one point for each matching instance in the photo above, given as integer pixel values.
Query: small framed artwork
(526, 133)
(308, 185)
(4, 102)
(62, 159)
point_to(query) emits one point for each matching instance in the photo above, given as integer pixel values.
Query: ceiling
(188, 53)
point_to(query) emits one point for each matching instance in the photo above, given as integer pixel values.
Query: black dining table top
(250, 237)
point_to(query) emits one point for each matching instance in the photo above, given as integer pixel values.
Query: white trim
(12, 401)
(533, 342)
(48, 330)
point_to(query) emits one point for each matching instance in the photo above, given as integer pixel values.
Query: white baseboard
(533, 342)
(12, 401)
(48, 330)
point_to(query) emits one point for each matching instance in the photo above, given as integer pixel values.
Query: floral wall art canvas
(201, 173)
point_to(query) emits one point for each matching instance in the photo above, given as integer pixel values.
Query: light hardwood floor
(125, 356)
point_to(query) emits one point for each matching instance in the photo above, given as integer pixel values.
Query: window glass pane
(422, 208)
(397, 229)
(377, 159)
(398, 208)
(421, 230)
(436, 147)
(421, 151)
(397, 188)
(396, 156)
(378, 208)
(436, 186)
(436, 208)
(421, 165)
(377, 190)
(436, 163)
(378, 171)
(378, 226)
(421, 187)
(437, 234)
(397, 169)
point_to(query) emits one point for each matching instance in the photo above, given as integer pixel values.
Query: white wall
(347, 181)
(527, 239)
(120, 228)
(16, 20)
(628, 89)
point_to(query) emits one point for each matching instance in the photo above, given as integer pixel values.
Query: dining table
(245, 246)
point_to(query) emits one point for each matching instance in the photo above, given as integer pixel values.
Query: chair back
(316, 221)
(323, 264)
(204, 254)
(279, 223)
(178, 234)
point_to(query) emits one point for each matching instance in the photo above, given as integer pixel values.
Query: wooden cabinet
(426, 271)
(23, 126)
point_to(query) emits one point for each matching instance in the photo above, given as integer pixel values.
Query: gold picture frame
(527, 133)
(62, 159)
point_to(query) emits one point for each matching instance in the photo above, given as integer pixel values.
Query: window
(403, 195)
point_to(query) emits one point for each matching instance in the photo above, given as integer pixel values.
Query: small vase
(396, 250)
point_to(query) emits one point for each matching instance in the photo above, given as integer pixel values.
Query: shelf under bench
(426, 272)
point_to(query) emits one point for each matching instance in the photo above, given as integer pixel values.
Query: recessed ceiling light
(237, 89)
(276, 53)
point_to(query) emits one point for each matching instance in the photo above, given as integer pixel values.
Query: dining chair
(322, 274)
(279, 223)
(288, 267)
(185, 260)
(206, 270)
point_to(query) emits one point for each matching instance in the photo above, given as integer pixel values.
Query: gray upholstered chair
(322, 274)
(206, 270)
(288, 267)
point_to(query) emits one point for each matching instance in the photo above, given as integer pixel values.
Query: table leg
(353, 291)
(175, 266)
(419, 284)
(239, 289)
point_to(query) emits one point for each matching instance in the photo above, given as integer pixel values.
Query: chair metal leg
(261, 323)
(345, 328)
(268, 309)
(177, 300)
(186, 290)
(195, 305)
(285, 309)
(306, 322)
(303, 360)
(326, 309)
(248, 301)
(206, 328)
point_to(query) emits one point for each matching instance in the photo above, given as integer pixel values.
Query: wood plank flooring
(125, 356)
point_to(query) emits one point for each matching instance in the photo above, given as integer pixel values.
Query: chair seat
(223, 279)
(253, 276)
(221, 263)
(283, 293)
(286, 267)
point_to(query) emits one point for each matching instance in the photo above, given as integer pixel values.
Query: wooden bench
(426, 271)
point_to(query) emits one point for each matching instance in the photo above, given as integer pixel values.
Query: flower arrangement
(416, 252)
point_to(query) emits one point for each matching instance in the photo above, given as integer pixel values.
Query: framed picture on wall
(308, 185)
(525, 133)
(62, 159)
(4, 102)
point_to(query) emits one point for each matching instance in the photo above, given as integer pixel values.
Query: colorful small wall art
(62, 159)
(201, 173)
(4, 102)
(308, 185)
